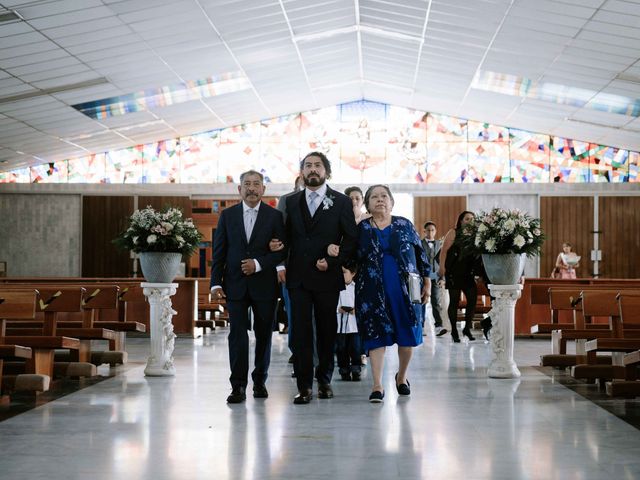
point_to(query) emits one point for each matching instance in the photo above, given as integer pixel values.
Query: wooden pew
(631, 386)
(10, 310)
(529, 312)
(85, 302)
(625, 338)
(184, 301)
(560, 300)
(589, 306)
(207, 307)
(20, 305)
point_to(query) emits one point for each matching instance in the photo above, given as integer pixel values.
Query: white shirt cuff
(258, 267)
(280, 268)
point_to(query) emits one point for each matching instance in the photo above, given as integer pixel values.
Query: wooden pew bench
(21, 305)
(87, 303)
(625, 338)
(629, 387)
(588, 305)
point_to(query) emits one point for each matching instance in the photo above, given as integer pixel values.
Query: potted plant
(160, 238)
(504, 238)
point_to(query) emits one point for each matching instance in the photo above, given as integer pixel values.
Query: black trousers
(471, 294)
(263, 323)
(305, 304)
(348, 351)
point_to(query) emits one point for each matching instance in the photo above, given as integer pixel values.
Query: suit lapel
(239, 218)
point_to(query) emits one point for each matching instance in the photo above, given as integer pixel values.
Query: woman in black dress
(458, 267)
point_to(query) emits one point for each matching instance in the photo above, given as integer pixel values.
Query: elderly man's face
(251, 189)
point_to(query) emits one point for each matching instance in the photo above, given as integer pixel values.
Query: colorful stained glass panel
(488, 162)
(89, 169)
(199, 157)
(529, 154)
(569, 161)
(55, 172)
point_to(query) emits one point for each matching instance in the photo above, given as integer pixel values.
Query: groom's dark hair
(321, 156)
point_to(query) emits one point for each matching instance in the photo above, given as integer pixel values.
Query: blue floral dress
(383, 309)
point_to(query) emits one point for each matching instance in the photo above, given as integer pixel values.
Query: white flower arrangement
(327, 202)
(505, 231)
(164, 231)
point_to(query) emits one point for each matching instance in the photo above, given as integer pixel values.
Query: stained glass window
(367, 142)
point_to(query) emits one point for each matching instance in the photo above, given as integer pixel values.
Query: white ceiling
(304, 54)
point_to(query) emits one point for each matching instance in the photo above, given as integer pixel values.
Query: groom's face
(313, 172)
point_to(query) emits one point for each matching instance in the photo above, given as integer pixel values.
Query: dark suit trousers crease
(323, 305)
(263, 318)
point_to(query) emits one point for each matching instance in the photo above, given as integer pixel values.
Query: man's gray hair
(251, 172)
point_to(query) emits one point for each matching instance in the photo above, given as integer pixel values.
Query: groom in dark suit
(317, 217)
(244, 272)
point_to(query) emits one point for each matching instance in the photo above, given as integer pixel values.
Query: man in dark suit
(244, 272)
(317, 217)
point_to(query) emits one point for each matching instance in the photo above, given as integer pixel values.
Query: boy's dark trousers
(348, 351)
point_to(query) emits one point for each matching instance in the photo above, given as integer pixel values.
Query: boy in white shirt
(348, 343)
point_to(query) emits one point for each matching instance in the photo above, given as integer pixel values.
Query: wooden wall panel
(619, 224)
(103, 218)
(443, 211)
(567, 219)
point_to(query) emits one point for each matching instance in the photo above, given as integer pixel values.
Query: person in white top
(348, 343)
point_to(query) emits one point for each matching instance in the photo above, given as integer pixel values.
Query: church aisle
(456, 424)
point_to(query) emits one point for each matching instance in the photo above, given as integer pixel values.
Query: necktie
(249, 220)
(313, 202)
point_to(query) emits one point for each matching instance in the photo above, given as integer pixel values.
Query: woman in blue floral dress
(388, 249)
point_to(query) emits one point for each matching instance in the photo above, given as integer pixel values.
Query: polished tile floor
(456, 424)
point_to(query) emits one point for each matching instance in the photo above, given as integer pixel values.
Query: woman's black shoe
(455, 338)
(403, 388)
(467, 333)
(376, 397)
(486, 325)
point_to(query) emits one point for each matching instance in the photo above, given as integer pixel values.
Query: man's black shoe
(303, 397)
(260, 391)
(325, 391)
(238, 395)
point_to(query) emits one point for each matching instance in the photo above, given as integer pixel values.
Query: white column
(502, 334)
(160, 362)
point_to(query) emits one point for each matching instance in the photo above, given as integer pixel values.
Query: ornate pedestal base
(502, 333)
(160, 362)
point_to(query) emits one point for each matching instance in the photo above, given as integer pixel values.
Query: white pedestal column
(160, 362)
(502, 334)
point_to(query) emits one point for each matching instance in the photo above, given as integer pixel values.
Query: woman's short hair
(367, 195)
(321, 156)
(461, 216)
(349, 190)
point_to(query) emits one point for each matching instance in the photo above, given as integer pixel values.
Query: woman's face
(379, 201)
(566, 248)
(468, 218)
(356, 199)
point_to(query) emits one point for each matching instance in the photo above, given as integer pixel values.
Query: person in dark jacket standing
(244, 272)
(317, 217)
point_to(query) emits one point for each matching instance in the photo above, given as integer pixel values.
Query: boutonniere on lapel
(327, 202)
